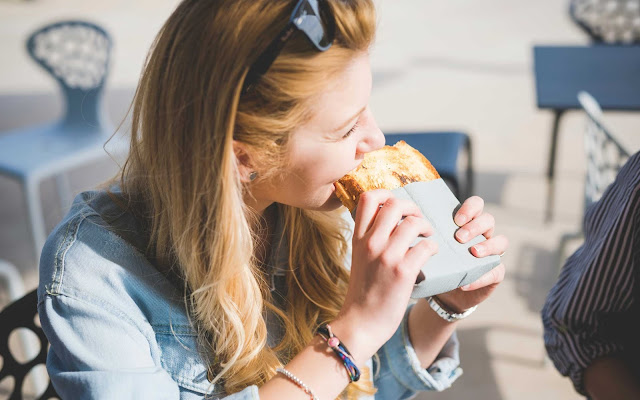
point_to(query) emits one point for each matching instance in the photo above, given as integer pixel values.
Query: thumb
(492, 277)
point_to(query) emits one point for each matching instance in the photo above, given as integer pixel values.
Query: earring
(253, 175)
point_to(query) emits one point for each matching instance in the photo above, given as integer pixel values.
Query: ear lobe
(243, 161)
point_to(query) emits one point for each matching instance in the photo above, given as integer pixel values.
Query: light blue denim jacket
(118, 327)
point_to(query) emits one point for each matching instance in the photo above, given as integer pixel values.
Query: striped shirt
(593, 309)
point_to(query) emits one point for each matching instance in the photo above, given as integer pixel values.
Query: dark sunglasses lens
(307, 18)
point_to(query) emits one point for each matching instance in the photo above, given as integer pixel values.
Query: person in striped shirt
(591, 315)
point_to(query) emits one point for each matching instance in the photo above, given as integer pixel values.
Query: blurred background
(438, 65)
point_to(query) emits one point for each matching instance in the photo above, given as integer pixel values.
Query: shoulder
(628, 179)
(98, 291)
(620, 203)
(629, 176)
(92, 255)
(84, 243)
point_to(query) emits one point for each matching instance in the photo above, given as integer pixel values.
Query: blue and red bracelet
(341, 351)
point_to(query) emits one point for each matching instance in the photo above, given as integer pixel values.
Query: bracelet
(298, 382)
(446, 314)
(341, 351)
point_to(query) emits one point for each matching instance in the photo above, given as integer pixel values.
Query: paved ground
(437, 65)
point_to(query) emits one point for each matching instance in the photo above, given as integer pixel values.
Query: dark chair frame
(21, 314)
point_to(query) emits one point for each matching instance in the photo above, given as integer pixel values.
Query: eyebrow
(349, 120)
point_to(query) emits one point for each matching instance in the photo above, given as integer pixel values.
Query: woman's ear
(243, 160)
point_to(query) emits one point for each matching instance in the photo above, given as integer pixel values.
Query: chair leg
(13, 279)
(469, 185)
(64, 191)
(551, 167)
(36, 217)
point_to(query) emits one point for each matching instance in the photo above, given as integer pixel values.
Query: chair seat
(46, 150)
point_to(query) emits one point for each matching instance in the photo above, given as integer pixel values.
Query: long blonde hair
(182, 177)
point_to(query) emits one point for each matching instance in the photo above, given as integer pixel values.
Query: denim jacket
(118, 327)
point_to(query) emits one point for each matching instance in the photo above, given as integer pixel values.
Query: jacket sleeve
(399, 374)
(97, 352)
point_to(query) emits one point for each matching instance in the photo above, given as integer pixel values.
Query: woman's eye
(353, 129)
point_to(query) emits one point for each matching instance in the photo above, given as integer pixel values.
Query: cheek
(325, 166)
(308, 182)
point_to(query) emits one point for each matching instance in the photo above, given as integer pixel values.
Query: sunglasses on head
(311, 17)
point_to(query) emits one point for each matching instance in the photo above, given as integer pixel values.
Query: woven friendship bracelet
(341, 351)
(298, 382)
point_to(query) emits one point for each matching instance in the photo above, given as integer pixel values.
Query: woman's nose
(372, 140)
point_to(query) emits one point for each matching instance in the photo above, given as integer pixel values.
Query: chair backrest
(449, 152)
(21, 314)
(605, 155)
(76, 54)
(609, 21)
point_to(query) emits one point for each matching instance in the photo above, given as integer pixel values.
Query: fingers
(492, 277)
(471, 208)
(368, 206)
(494, 246)
(418, 255)
(391, 214)
(406, 233)
(483, 224)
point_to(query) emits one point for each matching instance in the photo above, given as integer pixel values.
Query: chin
(323, 200)
(330, 203)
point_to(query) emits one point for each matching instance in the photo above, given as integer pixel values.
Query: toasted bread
(389, 168)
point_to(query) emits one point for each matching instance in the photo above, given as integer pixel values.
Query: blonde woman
(218, 265)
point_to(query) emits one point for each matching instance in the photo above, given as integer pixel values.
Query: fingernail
(460, 219)
(466, 287)
(462, 234)
(479, 249)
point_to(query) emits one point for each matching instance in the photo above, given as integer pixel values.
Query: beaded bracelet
(341, 351)
(298, 382)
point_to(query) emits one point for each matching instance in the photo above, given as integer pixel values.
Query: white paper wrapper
(454, 265)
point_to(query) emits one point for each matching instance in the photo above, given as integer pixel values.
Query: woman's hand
(473, 221)
(383, 271)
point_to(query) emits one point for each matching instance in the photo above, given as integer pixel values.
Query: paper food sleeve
(454, 265)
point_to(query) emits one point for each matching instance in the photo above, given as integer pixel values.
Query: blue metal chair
(450, 154)
(76, 54)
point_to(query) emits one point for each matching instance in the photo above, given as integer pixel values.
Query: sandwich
(389, 168)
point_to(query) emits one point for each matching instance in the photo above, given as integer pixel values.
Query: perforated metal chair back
(608, 21)
(604, 154)
(21, 314)
(76, 54)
